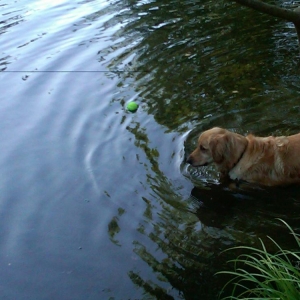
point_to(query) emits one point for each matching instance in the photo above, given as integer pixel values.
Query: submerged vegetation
(262, 275)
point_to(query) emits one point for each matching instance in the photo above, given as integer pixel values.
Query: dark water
(96, 202)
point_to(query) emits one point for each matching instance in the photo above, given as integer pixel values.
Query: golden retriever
(267, 161)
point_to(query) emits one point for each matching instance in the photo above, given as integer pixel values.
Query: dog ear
(217, 145)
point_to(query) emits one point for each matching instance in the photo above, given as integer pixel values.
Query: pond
(97, 202)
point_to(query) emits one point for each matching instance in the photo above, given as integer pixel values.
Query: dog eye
(202, 148)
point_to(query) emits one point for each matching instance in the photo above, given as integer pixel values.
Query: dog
(268, 161)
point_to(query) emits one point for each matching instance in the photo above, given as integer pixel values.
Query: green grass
(271, 276)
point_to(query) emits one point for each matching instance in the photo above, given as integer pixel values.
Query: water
(96, 202)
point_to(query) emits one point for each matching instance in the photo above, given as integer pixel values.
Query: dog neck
(241, 156)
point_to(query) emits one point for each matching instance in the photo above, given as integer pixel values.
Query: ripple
(87, 186)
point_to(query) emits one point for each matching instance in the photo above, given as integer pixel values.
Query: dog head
(219, 146)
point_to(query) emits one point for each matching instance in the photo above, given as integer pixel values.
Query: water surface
(97, 202)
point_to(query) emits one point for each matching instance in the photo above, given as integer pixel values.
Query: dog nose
(189, 160)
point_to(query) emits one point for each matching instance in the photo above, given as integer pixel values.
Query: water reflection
(194, 67)
(114, 228)
(193, 59)
(175, 248)
(182, 252)
(191, 65)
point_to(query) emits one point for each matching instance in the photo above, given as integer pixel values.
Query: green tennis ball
(132, 106)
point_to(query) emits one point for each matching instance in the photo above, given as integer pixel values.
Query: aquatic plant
(262, 275)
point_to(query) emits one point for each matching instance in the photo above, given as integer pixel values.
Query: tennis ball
(132, 106)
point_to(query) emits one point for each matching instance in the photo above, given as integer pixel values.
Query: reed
(271, 276)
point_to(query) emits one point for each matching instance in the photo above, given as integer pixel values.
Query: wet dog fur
(270, 161)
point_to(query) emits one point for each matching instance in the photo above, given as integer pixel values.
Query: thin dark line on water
(80, 71)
